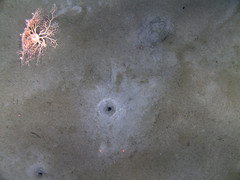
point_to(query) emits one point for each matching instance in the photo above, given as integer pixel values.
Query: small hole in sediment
(107, 107)
(39, 172)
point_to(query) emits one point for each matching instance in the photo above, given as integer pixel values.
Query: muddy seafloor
(134, 90)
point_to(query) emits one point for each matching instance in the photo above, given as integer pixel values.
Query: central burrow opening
(107, 107)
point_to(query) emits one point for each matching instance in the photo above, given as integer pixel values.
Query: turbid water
(138, 90)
